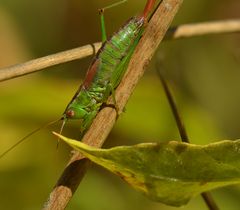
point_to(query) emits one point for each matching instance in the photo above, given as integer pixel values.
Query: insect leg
(115, 4)
(101, 12)
(103, 28)
(114, 97)
(87, 121)
(110, 91)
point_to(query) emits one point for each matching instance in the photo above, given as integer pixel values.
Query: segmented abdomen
(111, 55)
(106, 69)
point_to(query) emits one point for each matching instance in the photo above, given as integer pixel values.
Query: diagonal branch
(182, 31)
(103, 123)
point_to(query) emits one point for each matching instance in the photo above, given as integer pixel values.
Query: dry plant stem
(103, 123)
(199, 29)
(47, 61)
(183, 133)
(209, 201)
(173, 106)
(182, 31)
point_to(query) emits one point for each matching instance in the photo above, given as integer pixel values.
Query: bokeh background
(203, 73)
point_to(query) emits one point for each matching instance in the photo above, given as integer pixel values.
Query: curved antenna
(28, 135)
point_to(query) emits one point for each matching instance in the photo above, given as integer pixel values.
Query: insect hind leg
(113, 106)
(114, 4)
(110, 89)
(101, 12)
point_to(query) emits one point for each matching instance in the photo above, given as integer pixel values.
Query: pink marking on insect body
(70, 113)
(90, 74)
(148, 8)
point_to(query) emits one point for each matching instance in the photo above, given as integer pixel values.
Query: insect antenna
(28, 135)
(61, 129)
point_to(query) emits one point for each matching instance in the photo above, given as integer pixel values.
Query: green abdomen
(114, 56)
(105, 72)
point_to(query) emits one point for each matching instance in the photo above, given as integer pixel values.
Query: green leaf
(171, 172)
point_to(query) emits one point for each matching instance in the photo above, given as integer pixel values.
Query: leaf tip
(59, 136)
(56, 134)
(70, 142)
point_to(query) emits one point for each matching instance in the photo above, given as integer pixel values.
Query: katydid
(105, 71)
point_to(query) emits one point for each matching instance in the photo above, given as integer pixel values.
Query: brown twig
(182, 131)
(39, 64)
(209, 201)
(173, 106)
(182, 31)
(199, 29)
(106, 118)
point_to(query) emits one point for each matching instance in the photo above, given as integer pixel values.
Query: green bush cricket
(105, 71)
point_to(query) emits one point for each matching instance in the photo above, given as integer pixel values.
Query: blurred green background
(203, 73)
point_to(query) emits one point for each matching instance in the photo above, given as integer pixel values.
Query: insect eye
(70, 113)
